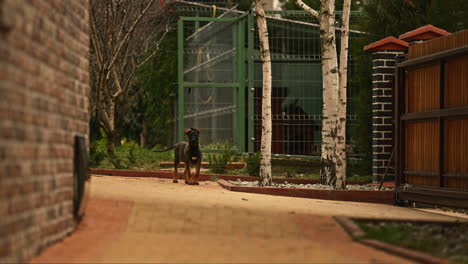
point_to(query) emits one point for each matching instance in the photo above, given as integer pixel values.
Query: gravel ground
(310, 186)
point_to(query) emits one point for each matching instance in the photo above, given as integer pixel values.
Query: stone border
(203, 176)
(357, 234)
(230, 166)
(161, 174)
(385, 197)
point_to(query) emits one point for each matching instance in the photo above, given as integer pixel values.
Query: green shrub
(252, 161)
(131, 153)
(118, 162)
(97, 153)
(218, 161)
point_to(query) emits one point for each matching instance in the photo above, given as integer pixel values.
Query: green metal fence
(220, 79)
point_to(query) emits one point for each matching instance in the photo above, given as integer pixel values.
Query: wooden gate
(431, 122)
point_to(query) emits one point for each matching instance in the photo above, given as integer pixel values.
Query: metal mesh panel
(210, 58)
(210, 53)
(212, 110)
(215, 54)
(296, 89)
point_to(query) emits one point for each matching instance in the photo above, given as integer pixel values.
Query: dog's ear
(186, 131)
(196, 130)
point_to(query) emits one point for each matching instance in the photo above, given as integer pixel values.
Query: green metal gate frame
(244, 38)
(241, 84)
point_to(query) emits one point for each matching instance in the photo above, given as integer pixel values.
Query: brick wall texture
(44, 89)
(383, 70)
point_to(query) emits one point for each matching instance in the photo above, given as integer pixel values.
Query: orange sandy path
(130, 220)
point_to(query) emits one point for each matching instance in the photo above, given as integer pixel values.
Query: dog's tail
(164, 150)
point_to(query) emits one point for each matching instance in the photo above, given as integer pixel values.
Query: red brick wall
(44, 87)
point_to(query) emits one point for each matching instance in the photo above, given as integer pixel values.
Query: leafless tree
(125, 34)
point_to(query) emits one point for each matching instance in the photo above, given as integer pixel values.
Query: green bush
(133, 156)
(218, 161)
(129, 155)
(118, 162)
(97, 153)
(252, 161)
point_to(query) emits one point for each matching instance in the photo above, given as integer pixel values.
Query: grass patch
(356, 177)
(129, 155)
(445, 241)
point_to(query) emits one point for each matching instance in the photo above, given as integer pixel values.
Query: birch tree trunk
(265, 148)
(333, 157)
(341, 137)
(328, 161)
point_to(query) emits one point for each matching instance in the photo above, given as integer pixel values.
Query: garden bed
(421, 241)
(229, 166)
(203, 176)
(369, 196)
(290, 183)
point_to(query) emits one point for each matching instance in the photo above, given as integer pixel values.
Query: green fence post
(250, 86)
(197, 73)
(180, 66)
(240, 128)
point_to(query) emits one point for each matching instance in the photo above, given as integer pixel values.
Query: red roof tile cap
(424, 33)
(389, 43)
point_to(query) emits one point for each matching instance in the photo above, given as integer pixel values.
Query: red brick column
(44, 89)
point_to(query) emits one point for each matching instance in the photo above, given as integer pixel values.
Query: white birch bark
(341, 135)
(265, 148)
(333, 157)
(330, 79)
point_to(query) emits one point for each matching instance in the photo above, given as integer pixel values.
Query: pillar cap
(424, 33)
(388, 43)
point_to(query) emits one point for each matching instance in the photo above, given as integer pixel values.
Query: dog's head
(193, 134)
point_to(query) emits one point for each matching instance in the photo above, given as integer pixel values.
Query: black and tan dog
(190, 154)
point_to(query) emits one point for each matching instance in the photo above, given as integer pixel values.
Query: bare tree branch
(135, 23)
(307, 8)
(117, 83)
(157, 48)
(125, 34)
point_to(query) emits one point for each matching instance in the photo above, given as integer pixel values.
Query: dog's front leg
(186, 173)
(176, 173)
(189, 173)
(197, 172)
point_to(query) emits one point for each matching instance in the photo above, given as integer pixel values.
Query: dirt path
(135, 220)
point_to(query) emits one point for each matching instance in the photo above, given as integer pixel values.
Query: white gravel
(317, 186)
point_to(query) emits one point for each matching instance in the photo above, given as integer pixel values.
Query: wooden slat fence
(431, 122)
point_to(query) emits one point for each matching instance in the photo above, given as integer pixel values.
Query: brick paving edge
(357, 234)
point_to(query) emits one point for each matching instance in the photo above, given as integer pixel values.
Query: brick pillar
(384, 54)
